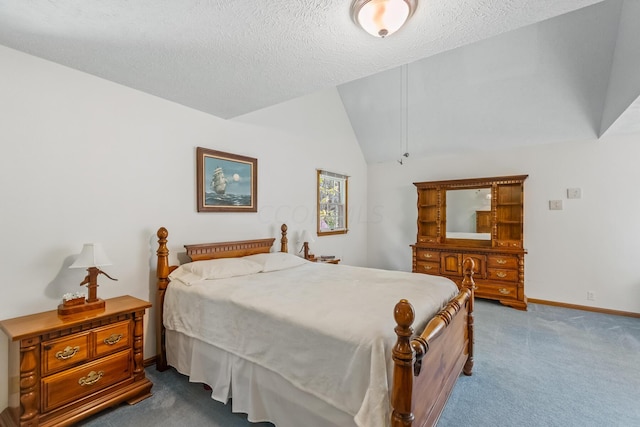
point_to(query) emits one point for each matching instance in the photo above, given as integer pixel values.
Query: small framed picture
(226, 182)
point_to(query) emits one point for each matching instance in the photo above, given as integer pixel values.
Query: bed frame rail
(426, 366)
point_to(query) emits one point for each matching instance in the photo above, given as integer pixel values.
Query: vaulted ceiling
(481, 72)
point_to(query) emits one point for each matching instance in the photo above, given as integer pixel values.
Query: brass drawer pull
(427, 267)
(501, 274)
(113, 339)
(503, 291)
(67, 353)
(428, 256)
(501, 261)
(90, 379)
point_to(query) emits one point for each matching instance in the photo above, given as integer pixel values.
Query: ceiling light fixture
(382, 18)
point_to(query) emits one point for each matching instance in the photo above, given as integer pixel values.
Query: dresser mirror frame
(497, 187)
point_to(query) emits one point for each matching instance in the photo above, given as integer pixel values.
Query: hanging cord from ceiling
(404, 113)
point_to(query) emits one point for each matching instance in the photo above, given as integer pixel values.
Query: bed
(300, 343)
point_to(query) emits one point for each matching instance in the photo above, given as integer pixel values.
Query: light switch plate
(555, 205)
(574, 193)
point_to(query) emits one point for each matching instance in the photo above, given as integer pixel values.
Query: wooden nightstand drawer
(71, 385)
(112, 338)
(65, 352)
(503, 261)
(428, 267)
(502, 274)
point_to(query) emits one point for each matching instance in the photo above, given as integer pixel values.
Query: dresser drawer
(508, 243)
(490, 290)
(426, 255)
(427, 239)
(502, 274)
(65, 352)
(428, 267)
(112, 338)
(75, 383)
(503, 261)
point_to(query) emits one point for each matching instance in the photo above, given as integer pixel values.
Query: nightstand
(326, 260)
(63, 369)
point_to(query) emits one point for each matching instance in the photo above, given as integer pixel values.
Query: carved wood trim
(138, 345)
(284, 241)
(29, 384)
(473, 182)
(162, 273)
(228, 249)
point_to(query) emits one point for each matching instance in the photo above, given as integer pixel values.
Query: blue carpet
(548, 366)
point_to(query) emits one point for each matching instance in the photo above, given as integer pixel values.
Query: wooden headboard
(228, 249)
(199, 252)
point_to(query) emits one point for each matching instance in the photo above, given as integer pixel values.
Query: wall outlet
(555, 205)
(591, 295)
(574, 193)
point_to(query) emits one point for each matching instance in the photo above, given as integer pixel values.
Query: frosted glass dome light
(382, 18)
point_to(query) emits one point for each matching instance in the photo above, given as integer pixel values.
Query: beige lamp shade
(92, 255)
(307, 237)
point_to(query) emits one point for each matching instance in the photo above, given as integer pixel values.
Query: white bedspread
(327, 329)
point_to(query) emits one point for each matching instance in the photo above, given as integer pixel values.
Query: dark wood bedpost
(284, 241)
(162, 273)
(468, 283)
(403, 358)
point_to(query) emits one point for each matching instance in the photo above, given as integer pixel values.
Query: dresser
(63, 369)
(478, 218)
(483, 221)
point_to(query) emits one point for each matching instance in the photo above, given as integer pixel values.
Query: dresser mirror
(468, 214)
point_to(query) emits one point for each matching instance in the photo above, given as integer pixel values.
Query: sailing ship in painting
(222, 193)
(218, 182)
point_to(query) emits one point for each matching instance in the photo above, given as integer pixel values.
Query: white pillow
(274, 261)
(222, 268)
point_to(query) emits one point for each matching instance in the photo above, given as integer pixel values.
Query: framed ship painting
(226, 182)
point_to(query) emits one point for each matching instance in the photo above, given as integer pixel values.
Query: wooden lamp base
(71, 307)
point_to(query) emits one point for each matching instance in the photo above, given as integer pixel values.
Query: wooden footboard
(427, 366)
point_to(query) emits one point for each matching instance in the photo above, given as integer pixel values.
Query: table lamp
(306, 237)
(91, 257)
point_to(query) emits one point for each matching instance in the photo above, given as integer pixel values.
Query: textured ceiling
(481, 74)
(543, 83)
(231, 57)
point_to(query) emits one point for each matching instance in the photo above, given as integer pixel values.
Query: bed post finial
(403, 360)
(162, 272)
(468, 283)
(284, 242)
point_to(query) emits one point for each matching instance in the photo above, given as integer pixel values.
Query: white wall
(84, 159)
(592, 244)
(624, 82)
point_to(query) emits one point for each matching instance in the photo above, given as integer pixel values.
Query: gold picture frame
(226, 182)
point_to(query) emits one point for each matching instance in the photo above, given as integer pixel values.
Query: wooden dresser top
(35, 324)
